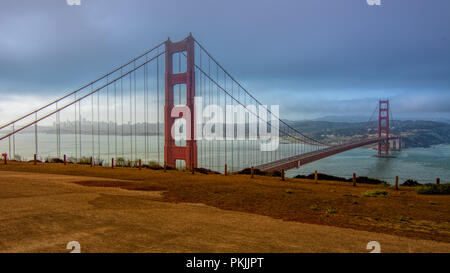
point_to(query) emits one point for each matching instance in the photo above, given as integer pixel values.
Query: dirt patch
(43, 212)
(120, 184)
(402, 213)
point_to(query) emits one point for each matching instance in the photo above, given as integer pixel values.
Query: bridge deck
(302, 159)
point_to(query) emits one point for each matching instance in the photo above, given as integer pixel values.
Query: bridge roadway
(302, 159)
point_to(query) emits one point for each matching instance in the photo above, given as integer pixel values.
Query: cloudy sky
(313, 57)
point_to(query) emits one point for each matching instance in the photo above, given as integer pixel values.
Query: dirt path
(43, 212)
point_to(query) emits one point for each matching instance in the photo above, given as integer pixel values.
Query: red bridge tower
(383, 128)
(172, 152)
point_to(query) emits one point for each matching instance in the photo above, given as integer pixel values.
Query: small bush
(205, 171)
(289, 191)
(374, 193)
(84, 160)
(99, 161)
(404, 219)
(411, 183)
(54, 160)
(71, 159)
(259, 172)
(434, 189)
(331, 211)
(120, 162)
(359, 179)
(350, 195)
(153, 165)
(314, 207)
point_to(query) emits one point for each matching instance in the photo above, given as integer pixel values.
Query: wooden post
(35, 159)
(112, 163)
(354, 179)
(65, 161)
(252, 172)
(91, 161)
(316, 176)
(226, 170)
(192, 168)
(5, 156)
(438, 181)
(282, 175)
(140, 164)
(165, 167)
(396, 183)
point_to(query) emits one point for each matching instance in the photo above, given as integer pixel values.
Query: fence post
(354, 179)
(112, 163)
(396, 183)
(65, 161)
(35, 159)
(192, 168)
(226, 170)
(140, 164)
(165, 166)
(316, 176)
(5, 156)
(252, 172)
(282, 175)
(92, 162)
(438, 181)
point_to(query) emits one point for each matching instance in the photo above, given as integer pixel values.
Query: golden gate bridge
(128, 114)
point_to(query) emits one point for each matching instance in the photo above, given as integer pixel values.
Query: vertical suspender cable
(115, 120)
(98, 124)
(157, 106)
(122, 125)
(92, 127)
(107, 116)
(76, 131)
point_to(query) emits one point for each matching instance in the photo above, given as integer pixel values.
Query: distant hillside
(414, 133)
(362, 118)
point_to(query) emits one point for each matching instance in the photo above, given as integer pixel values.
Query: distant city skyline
(313, 58)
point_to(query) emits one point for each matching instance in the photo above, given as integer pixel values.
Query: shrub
(359, 179)
(154, 165)
(120, 162)
(434, 189)
(331, 211)
(71, 159)
(205, 171)
(322, 176)
(99, 161)
(54, 160)
(84, 160)
(374, 193)
(259, 172)
(411, 183)
(349, 195)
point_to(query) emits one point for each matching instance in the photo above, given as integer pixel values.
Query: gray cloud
(330, 56)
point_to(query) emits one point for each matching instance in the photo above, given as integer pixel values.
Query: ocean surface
(421, 164)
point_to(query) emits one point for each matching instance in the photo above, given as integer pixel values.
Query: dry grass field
(126, 210)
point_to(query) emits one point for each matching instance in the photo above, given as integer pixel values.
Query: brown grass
(402, 213)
